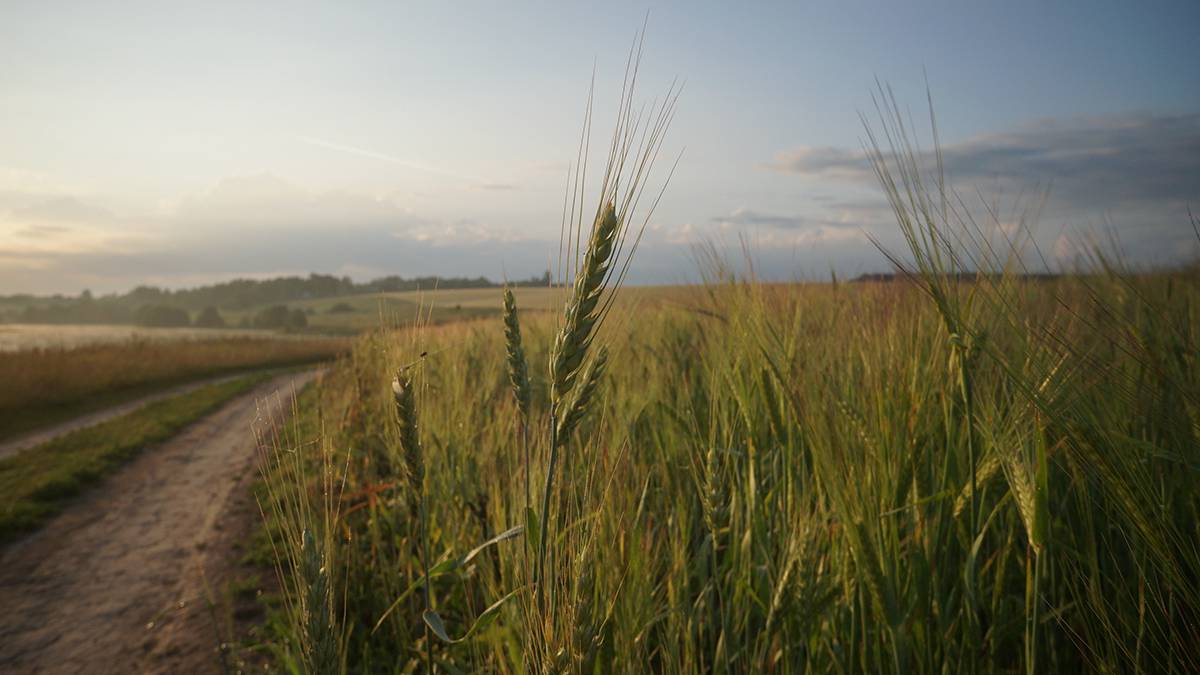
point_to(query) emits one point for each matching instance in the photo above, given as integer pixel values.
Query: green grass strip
(32, 418)
(36, 483)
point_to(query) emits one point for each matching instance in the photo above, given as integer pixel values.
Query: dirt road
(117, 583)
(36, 438)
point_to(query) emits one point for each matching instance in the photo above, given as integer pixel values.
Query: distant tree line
(960, 276)
(280, 317)
(153, 306)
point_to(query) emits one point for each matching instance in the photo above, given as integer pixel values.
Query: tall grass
(956, 473)
(783, 481)
(301, 499)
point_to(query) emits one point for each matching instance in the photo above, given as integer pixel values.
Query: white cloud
(1067, 249)
(676, 234)
(792, 230)
(826, 234)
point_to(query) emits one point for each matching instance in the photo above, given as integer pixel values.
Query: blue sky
(179, 145)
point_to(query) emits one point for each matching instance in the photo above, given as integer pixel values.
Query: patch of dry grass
(42, 386)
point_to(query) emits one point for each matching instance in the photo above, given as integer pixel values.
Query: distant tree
(146, 295)
(161, 316)
(275, 316)
(209, 317)
(342, 308)
(535, 282)
(297, 319)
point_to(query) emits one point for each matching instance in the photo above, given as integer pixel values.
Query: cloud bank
(1133, 176)
(1089, 162)
(257, 225)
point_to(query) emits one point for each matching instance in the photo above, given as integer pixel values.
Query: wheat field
(752, 491)
(968, 469)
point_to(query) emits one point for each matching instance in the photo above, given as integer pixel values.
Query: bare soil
(122, 580)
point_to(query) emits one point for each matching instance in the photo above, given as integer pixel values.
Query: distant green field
(483, 298)
(362, 312)
(353, 313)
(338, 315)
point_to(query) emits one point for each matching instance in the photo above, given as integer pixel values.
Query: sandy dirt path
(117, 582)
(36, 438)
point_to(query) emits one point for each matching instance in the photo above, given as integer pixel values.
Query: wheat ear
(410, 441)
(414, 460)
(583, 396)
(518, 368)
(581, 312)
(518, 374)
(319, 647)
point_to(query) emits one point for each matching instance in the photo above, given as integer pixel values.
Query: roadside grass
(254, 611)
(38, 482)
(47, 386)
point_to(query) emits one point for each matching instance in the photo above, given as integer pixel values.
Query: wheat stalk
(1020, 482)
(571, 346)
(599, 270)
(414, 460)
(518, 375)
(580, 314)
(410, 442)
(518, 368)
(319, 646)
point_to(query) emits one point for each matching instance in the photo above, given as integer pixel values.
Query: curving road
(117, 582)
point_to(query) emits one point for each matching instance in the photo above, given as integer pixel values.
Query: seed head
(410, 441)
(583, 397)
(518, 367)
(581, 312)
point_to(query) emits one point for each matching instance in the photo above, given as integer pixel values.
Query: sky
(177, 144)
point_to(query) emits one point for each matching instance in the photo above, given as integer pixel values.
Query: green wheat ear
(581, 312)
(518, 366)
(319, 646)
(579, 404)
(414, 460)
(410, 442)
